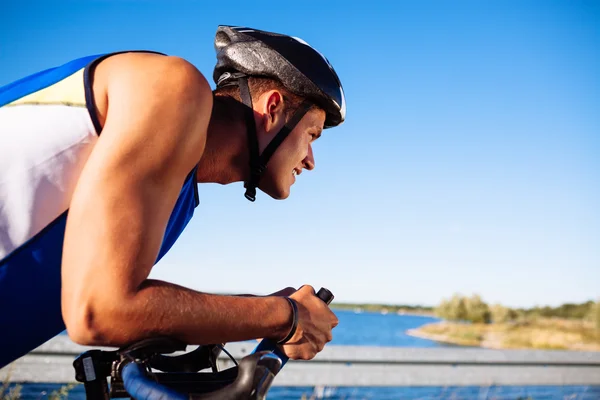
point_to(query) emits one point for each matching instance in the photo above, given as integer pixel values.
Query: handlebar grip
(270, 345)
(140, 387)
(325, 295)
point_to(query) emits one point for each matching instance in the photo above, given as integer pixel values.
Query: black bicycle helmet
(244, 52)
(298, 66)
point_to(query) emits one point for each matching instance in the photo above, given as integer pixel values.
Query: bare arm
(158, 109)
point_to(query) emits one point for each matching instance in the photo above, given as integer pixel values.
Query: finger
(308, 288)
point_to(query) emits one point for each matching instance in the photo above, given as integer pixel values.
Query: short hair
(260, 85)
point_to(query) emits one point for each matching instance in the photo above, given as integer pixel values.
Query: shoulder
(162, 69)
(162, 102)
(157, 78)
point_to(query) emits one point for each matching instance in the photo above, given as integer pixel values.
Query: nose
(309, 160)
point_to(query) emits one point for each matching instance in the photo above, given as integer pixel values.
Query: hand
(315, 323)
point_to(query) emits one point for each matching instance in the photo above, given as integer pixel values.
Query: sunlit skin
(159, 121)
(294, 155)
(227, 161)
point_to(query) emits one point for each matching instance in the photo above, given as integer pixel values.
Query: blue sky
(469, 161)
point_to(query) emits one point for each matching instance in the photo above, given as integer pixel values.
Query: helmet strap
(256, 169)
(258, 162)
(284, 132)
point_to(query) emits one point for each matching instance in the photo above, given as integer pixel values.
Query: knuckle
(309, 288)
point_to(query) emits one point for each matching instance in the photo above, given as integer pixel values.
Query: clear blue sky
(469, 162)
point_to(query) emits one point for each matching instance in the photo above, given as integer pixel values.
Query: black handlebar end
(325, 295)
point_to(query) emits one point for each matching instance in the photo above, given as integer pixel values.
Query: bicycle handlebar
(255, 375)
(129, 369)
(140, 387)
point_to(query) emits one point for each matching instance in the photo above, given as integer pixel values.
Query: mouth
(296, 171)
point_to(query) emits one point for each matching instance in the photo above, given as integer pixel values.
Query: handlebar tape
(140, 387)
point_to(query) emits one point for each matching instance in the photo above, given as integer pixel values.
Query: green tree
(453, 309)
(442, 310)
(477, 310)
(457, 308)
(501, 314)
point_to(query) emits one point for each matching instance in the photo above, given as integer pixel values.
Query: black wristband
(294, 321)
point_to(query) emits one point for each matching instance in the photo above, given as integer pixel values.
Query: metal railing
(359, 366)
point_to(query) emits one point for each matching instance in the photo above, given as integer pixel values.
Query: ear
(272, 109)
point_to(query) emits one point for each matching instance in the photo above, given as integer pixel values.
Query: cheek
(289, 154)
(303, 144)
(292, 150)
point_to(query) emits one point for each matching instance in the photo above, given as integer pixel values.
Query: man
(99, 166)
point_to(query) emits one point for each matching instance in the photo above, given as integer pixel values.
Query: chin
(277, 193)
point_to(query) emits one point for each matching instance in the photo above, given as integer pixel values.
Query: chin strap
(256, 170)
(258, 162)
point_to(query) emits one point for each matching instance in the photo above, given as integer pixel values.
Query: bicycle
(131, 374)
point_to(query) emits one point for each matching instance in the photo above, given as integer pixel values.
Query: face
(293, 156)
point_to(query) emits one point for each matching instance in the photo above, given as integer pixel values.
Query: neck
(225, 158)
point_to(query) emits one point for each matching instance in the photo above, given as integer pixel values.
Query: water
(375, 329)
(43, 392)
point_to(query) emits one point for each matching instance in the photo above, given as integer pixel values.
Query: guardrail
(357, 366)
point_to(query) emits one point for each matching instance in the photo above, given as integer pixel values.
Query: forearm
(163, 309)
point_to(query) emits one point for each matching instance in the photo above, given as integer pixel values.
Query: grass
(62, 392)
(544, 333)
(13, 393)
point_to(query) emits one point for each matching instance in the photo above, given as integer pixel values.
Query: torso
(49, 125)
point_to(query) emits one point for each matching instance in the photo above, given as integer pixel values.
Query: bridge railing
(357, 366)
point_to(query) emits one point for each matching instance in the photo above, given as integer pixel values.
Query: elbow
(91, 323)
(83, 326)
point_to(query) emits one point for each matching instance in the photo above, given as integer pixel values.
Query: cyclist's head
(259, 86)
(251, 63)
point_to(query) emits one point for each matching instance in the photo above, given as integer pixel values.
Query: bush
(501, 314)
(460, 308)
(477, 311)
(457, 308)
(474, 309)
(565, 311)
(594, 314)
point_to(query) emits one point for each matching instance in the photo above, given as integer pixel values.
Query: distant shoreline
(436, 338)
(408, 314)
(546, 334)
(385, 309)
